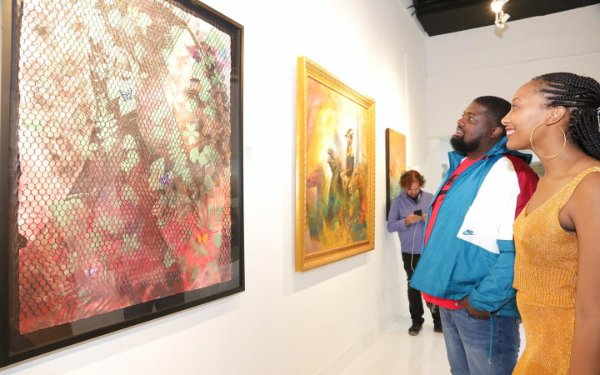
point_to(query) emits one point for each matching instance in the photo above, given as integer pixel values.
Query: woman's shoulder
(586, 185)
(589, 178)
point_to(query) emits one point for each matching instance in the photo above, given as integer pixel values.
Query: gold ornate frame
(335, 196)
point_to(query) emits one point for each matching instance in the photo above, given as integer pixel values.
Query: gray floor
(397, 353)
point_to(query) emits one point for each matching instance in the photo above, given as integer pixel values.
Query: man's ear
(497, 131)
(556, 114)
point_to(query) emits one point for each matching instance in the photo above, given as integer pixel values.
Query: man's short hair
(496, 108)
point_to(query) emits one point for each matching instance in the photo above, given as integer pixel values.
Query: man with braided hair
(557, 116)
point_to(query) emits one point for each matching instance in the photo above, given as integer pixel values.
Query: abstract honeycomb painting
(126, 179)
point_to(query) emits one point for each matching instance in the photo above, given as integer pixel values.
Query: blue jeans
(480, 347)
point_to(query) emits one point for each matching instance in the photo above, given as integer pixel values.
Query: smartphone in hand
(418, 212)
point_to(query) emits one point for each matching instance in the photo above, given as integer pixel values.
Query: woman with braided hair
(557, 276)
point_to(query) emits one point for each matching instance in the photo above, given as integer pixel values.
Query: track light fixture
(501, 17)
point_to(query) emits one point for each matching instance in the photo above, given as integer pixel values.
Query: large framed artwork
(395, 162)
(335, 169)
(121, 141)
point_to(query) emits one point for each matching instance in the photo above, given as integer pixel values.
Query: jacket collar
(412, 200)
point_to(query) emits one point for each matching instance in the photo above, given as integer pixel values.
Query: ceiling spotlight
(497, 5)
(501, 17)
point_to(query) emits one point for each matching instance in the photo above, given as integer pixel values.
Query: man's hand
(477, 314)
(411, 219)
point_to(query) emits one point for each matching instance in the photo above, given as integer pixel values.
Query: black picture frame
(219, 161)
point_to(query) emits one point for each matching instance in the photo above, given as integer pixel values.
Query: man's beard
(460, 145)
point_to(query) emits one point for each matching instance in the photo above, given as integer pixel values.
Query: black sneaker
(415, 329)
(438, 328)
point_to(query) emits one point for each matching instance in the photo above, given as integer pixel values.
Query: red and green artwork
(123, 188)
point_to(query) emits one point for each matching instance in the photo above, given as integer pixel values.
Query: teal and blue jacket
(470, 250)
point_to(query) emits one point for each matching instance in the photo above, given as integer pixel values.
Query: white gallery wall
(464, 65)
(287, 322)
(315, 322)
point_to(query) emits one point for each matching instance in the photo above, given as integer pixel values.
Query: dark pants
(415, 303)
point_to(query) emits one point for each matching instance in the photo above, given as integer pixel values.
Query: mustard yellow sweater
(545, 279)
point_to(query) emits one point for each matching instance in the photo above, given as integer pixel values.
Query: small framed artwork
(335, 169)
(395, 162)
(121, 139)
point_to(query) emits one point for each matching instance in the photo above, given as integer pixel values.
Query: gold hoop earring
(547, 157)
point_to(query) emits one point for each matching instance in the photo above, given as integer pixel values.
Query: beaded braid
(582, 96)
